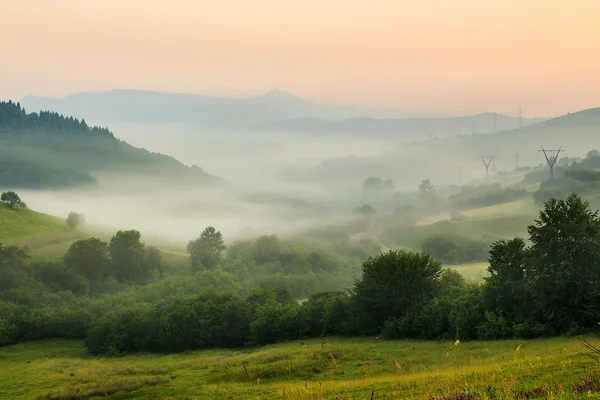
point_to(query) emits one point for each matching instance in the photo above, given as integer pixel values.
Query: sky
(447, 56)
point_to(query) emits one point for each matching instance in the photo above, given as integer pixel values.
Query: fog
(281, 182)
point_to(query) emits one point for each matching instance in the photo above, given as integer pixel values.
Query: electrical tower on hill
(487, 161)
(551, 158)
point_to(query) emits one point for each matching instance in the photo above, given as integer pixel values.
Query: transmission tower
(487, 161)
(551, 157)
(520, 118)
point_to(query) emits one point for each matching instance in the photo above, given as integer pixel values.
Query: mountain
(426, 127)
(456, 159)
(202, 111)
(48, 150)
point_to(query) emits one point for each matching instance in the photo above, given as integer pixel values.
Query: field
(312, 369)
(48, 237)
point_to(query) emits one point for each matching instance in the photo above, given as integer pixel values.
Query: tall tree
(89, 258)
(565, 262)
(75, 219)
(128, 257)
(393, 282)
(506, 291)
(12, 259)
(206, 251)
(266, 249)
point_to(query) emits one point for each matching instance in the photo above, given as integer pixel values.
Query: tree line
(547, 287)
(14, 117)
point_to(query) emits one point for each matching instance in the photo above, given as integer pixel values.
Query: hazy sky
(455, 56)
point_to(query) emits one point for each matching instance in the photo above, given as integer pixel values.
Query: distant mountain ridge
(432, 127)
(275, 110)
(212, 112)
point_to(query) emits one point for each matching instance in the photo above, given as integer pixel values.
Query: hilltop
(136, 106)
(49, 150)
(417, 127)
(456, 159)
(276, 110)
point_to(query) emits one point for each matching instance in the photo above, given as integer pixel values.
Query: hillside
(20, 224)
(456, 159)
(137, 106)
(424, 127)
(48, 150)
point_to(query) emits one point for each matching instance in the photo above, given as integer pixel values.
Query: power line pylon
(520, 118)
(551, 158)
(487, 161)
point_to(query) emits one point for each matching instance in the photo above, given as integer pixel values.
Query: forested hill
(48, 150)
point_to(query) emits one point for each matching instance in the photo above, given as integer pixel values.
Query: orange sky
(454, 56)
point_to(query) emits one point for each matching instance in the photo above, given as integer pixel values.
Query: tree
(427, 194)
(12, 260)
(426, 187)
(75, 219)
(128, 257)
(506, 292)
(12, 200)
(267, 248)
(89, 258)
(393, 282)
(564, 262)
(364, 211)
(593, 153)
(206, 250)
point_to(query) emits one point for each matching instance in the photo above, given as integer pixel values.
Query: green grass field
(48, 237)
(23, 224)
(488, 224)
(347, 368)
(472, 272)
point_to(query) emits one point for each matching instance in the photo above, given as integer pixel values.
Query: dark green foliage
(138, 303)
(467, 314)
(128, 257)
(206, 250)
(324, 314)
(565, 262)
(506, 291)
(455, 249)
(12, 200)
(89, 258)
(392, 283)
(56, 276)
(12, 265)
(267, 248)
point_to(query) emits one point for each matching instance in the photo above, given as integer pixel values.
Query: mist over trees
(240, 294)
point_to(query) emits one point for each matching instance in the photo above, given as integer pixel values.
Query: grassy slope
(489, 224)
(349, 368)
(48, 237)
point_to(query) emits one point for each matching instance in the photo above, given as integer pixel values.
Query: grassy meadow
(48, 237)
(313, 369)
